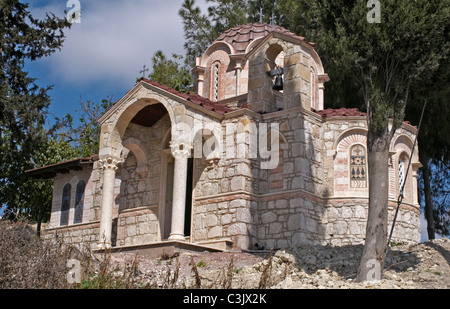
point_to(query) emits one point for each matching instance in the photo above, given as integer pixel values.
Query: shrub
(27, 262)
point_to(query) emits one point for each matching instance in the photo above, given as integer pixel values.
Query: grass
(202, 263)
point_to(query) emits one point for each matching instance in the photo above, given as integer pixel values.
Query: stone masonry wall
(137, 226)
(81, 236)
(222, 207)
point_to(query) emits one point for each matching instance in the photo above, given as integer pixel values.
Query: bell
(278, 85)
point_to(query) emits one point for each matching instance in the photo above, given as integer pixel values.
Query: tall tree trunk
(39, 223)
(372, 260)
(428, 201)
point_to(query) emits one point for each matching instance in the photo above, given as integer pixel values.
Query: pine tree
(170, 72)
(201, 30)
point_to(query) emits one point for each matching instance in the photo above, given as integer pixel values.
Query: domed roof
(241, 36)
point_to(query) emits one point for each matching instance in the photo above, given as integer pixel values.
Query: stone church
(250, 160)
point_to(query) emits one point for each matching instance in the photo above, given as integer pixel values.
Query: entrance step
(172, 247)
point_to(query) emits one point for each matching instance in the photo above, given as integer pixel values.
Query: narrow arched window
(65, 205)
(215, 74)
(401, 177)
(79, 201)
(358, 170)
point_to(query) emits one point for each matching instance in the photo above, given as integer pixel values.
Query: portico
(134, 116)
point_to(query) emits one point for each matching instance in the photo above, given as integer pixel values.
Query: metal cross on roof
(145, 69)
(260, 15)
(273, 20)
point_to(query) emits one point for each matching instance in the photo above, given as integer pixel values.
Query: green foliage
(84, 136)
(386, 59)
(202, 263)
(440, 194)
(23, 104)
(170, 72)
(201, 30)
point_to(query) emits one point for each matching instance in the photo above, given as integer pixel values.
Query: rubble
(418, 266)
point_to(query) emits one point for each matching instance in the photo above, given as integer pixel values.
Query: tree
(434, 146)
(201, 30)
(23, 104)
(436, 187)
(387, 60)
(302, 17)
(170, 72)
(35, 195)
(84, 136)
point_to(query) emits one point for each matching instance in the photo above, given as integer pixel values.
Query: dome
(241, 36)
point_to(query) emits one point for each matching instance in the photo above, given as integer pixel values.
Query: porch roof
(50, 171)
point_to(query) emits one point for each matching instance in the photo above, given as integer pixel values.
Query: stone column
(239, 60)
(181, 152)
(110, 165)
(238, 77)
(323, 78)
(200, 72)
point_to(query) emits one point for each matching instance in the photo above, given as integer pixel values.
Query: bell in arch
(278, 72)
(278, 85)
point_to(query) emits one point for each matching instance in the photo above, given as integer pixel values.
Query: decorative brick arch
(350, 138)
(403, 143)
(213, 48)
(218, 57)
(344, 183)
(402, 151)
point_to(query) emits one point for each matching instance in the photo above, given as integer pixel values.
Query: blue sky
(102, 55)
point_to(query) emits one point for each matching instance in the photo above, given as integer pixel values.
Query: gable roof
(193, 98)
(199, 101)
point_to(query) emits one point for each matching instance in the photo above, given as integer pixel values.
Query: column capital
(110, 162)
(181, 148)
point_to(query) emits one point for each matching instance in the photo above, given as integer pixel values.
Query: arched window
(401, 176)
(215, 81)
(358, 170)
(65, 205)
(79, 201)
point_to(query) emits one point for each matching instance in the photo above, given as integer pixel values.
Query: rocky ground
(419, 266)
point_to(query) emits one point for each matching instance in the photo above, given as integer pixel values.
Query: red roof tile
(241, 36)
(341, 112)
(192, 97)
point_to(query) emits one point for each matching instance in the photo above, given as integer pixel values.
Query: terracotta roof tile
(192, 97)
(241, 36)
(341, 112)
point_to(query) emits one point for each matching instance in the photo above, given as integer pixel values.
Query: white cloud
(114, 39)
